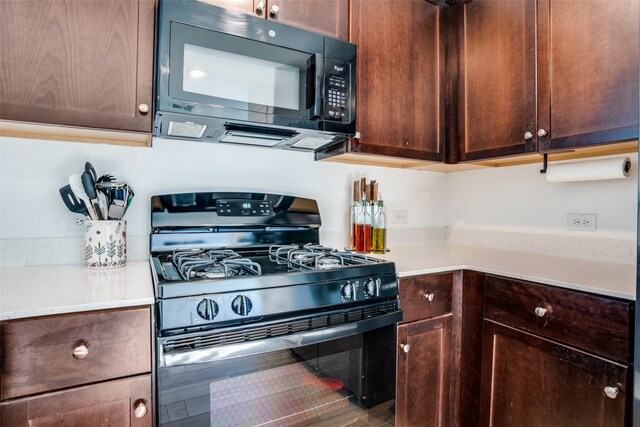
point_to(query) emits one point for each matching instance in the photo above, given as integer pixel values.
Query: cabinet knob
(429, 297)
(405, 347)
(143, 108)
(540, 311)
(261, 7)
(141, 409)
(528, 135)
(80, 352)
(542, 132)
(274, 10)
(611, 392)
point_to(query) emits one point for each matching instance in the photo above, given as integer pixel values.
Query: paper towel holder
(544, 163)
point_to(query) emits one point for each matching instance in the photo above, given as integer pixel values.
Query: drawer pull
(405, 347)
(611, 392)
(80, 352)
(429, 297)
(141, 409)
(540, 311)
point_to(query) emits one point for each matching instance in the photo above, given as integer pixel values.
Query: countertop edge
(52, 311)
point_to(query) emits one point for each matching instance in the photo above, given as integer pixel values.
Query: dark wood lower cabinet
(530, 381)
(108, 404)
(424, 365)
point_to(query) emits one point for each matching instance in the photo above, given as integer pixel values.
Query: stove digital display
(244, 208)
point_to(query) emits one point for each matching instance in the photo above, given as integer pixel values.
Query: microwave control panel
(338, 91)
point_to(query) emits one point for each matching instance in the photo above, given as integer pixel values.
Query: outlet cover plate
(581, 222)
(399, 217)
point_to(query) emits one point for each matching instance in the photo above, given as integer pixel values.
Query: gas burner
(213, 264)
(328, 263)
(314, 257)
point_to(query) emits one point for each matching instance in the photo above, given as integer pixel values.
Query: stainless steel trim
(276, 343)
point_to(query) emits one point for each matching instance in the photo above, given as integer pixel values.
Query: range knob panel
(372, 288)
(241, 305)
(207, 309)
(347, 291)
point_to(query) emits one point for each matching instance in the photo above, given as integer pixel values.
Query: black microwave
(224, 76)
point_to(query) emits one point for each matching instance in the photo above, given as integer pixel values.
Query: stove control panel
(244, 208)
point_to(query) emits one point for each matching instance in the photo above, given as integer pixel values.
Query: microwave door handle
(317, 105)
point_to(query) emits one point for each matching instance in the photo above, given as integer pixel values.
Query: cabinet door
(77, 62)
(530, 381)
(400, 78)
(114, 403)
(588, 71)
(330, 17)
(246, 6)
(497, 82)
(424, 361)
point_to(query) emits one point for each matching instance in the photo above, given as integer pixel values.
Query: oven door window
(322, 384)
(211, 70)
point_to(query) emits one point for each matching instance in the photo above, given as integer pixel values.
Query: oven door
(338, 375)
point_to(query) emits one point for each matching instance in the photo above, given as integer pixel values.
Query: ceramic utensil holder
(105, 244)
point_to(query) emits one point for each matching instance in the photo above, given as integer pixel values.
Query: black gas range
(242, 275)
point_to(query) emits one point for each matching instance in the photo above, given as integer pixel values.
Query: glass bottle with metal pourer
(379, 232)
(353, 211)
(363, 229)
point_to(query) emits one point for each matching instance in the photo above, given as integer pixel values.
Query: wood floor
(267, 390)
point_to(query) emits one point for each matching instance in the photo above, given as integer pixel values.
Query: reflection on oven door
(317, 385)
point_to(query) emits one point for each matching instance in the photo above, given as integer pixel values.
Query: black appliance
(224, 76)
(259, 324)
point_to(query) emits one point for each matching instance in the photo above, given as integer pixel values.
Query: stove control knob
(241, 305)
(347, 291)
(207, 309)
(372, 288)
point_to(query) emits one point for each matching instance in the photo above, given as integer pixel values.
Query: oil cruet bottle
(379, 232)
(353, 211)
(363, 227)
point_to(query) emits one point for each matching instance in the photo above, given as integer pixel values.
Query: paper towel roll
(591, 170)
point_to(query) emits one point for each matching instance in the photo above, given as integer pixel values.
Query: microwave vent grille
(186, 129)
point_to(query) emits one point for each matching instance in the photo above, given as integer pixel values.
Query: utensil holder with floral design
(105, 244)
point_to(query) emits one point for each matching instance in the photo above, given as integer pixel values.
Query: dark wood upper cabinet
(328, 17)
(587, 72)
(423, 381)
(400, 78)
(539, 75)
(527, 380)
(76, 62)
(497, 102)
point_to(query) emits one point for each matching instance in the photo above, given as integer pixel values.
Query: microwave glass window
(240, 78)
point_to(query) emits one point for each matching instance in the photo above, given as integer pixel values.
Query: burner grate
(314, 257)
(213, 264)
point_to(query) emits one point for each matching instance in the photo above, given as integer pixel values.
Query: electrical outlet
(399, 217)
(78, 220)
(581, 222)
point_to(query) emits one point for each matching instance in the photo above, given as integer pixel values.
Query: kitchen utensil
(130, 196)
(88, 167)
(116, 209)
(72, 202)
(89, 186)
(106, 178)
(75, 182)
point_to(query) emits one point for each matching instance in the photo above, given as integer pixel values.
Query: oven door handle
(248, 348)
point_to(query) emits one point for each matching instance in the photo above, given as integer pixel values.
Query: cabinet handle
(141, 409)
(542, 132)
(528, 135)
(274, 10)
(80, 352)
(540, 311)
(260, 7)
(429, 297)
(611, 392)
(405, 347)
(143, 108)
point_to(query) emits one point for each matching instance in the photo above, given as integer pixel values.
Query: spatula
(72, 202)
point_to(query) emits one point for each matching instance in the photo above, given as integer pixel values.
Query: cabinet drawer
(425, 296)
(594, 323)
(114, 403)
(43, 354)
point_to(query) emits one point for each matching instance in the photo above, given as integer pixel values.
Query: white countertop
(44, 290)
(617, 280)
(54, 289)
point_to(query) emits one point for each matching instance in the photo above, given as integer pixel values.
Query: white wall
(32, 171)
(518, 198)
